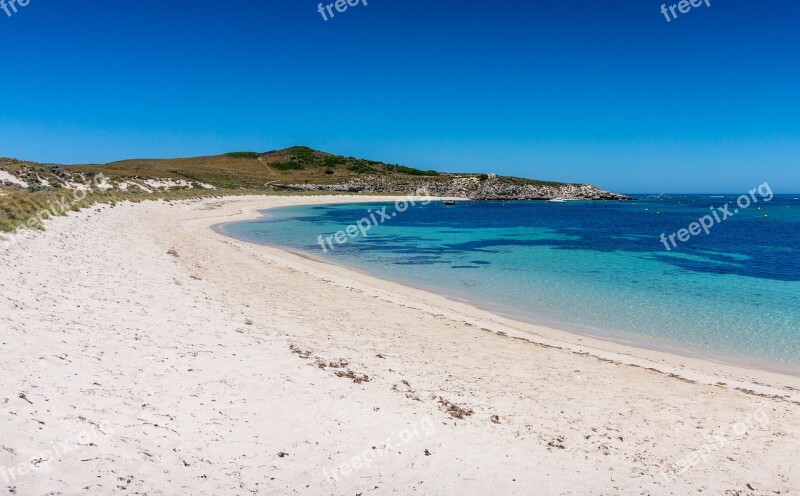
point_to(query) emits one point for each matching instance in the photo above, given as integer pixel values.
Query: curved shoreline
(628, 341)
(670, 363)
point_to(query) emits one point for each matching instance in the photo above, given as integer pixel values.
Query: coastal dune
(145, 353)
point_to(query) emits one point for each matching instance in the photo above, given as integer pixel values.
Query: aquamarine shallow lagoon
(591, 267)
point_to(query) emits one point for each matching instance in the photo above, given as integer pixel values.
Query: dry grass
(254, 170)
(20, 209)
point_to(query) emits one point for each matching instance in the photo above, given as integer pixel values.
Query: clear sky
(587, 91)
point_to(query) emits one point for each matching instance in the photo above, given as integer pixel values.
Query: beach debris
(282, 454)
(676, 376)
(23, 396)
(339, 365)
(455, 411)
(495, 419)
(297, 351)
(558, 442)
(356, 378)
(427, 453)
(408, 390)
(125, 482)
(173, 253)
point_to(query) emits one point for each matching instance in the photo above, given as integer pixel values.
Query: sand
(143, 353)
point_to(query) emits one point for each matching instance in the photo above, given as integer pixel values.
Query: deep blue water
(594, 267)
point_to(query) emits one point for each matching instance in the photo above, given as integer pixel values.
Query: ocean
(595, 268)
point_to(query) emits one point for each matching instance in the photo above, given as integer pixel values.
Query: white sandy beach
(143, 353)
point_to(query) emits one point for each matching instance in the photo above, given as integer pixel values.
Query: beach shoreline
(344, 358)
(630, 344)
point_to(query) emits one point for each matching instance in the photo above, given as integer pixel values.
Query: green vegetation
(361, 168)
(243, 155)
(34, 187)
(535, 182)
(305, 154)
(402, 169)
(334, 160)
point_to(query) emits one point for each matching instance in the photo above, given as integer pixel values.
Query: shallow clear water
(588, 266)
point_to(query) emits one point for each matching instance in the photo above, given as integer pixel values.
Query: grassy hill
(29, 187)
(252, 170)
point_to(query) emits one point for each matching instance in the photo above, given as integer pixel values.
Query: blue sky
(603, 92)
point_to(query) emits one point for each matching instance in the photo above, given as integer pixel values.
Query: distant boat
(450, 202)
(558, 200)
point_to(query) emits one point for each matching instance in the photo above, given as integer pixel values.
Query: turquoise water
(597, 268)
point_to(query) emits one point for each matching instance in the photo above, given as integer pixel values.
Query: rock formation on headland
(484, 187)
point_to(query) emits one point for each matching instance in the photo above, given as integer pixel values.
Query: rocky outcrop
(477, 187)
